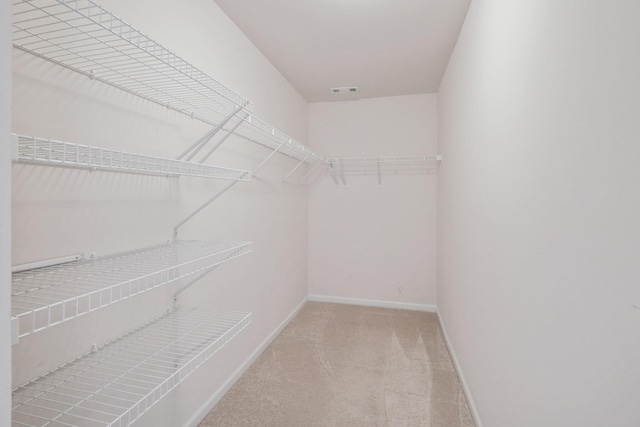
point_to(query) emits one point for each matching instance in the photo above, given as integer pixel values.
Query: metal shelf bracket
(204, 139)
(284, 180)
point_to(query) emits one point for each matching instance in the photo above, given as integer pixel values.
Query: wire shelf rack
(387, 160)
(83, 36)
(44, 297)
(385, 165)
(66, 154)
(120, 381)
(258, 131)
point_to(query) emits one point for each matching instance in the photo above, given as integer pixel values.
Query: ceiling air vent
(351, 89)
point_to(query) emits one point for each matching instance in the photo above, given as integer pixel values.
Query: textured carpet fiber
(343, 365)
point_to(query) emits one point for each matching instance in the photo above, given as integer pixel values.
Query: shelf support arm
(310, 172)
(223, 139)
(342, 172)
(192, 282)
(294, 169)
(264, 162)
(332, 170)
(204, 205)
(197, 146)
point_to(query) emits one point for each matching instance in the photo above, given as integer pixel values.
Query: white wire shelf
(83, 36)
(120, 381)
(50, 152)
(48, 296)
(384, 165)
(386, 160)
(393, 164)
(258, 131)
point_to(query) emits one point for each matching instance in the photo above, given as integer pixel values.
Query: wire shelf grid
(120, 381)
(58, 153)
(357, 161)
(48, 296)
(258, 131)
(83, 36)
(384, 164)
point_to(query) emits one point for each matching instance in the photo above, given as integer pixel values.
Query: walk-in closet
(319, 213)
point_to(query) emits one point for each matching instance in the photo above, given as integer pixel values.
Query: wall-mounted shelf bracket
(191, 283)
(204, 205)
(332, 172)
(224, 138)
(276, 151)
(304, 178)
(336, 170)
(284, 180)
(204, 139)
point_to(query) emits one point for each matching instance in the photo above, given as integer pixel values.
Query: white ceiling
(385, 47)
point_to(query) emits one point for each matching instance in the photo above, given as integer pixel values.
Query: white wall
(5, 212)
(538, 211)
(61, 211)
(370, 241)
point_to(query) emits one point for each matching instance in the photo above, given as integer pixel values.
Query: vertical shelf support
(379, 174)
(15, 330)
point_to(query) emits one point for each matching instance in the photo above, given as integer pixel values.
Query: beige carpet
(342, 365)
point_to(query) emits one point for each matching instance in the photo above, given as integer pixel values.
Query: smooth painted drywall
(538, 211)
(369, 241)
(5, 212)
(62, 211)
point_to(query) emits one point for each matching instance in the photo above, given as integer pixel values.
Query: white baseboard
(463, 381)
(224, 388)
(374, 303)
